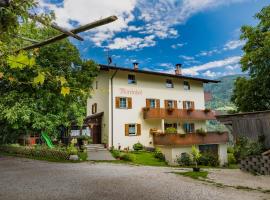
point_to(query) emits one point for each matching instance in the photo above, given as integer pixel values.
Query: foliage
(254, 94)
(83, 155)
(184, 159)
(159, 155)
(201, 132)
(209, 159)
(84, 137)
(115, 153)
(127, 157)
(137, 146)
(72, 150)
(40, 152)
(245, 147)
(195, 153)
(171, 130)
(231, 159)
(194, 175)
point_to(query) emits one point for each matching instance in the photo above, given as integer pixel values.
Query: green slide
(47, 139)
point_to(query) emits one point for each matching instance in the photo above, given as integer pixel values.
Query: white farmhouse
(133, 105)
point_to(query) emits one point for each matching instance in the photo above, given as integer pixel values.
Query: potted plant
(207, 110)
(201, 132)
(171, 130)
(195, 153)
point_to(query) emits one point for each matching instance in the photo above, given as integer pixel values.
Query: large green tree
(253, 94)
(40, 89)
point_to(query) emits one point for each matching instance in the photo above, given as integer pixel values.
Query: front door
(96, 130)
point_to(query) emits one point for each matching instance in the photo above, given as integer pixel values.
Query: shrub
(209, 159)
(230, 150)
(184, 159)
(83, 137)
(127, 157)
(196, 155)
(72, 150)
(171, 130)
(83, 155)
(201, 132)
(138, 146)
(231, 159)
(159, 155)
(115, 153)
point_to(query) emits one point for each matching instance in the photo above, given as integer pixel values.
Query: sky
(202, 35)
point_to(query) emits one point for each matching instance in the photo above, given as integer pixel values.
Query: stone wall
(256, 164)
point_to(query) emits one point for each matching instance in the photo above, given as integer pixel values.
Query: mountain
(222, 92)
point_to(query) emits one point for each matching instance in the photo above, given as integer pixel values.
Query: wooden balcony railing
(190, 139)
(162, 113)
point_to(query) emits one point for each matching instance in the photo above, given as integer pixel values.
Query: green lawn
(194, 175)
(147, 158)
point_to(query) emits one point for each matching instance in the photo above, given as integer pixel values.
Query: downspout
(112, 104)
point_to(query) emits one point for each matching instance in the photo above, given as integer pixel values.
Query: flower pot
(196, 169)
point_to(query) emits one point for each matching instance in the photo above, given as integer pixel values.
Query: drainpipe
(112, 104)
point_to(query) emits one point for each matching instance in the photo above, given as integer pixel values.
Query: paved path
(25, 179)
(100, 155)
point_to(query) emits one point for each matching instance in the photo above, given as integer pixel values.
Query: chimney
(178, 69)
(136, 66)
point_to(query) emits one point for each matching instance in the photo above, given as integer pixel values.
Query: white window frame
(189, 127)
(126, 102)
(169, 85)
(135, 130)
(188, 104)
(186, 86)
(170, 102)
(131, 81)
(152, 101)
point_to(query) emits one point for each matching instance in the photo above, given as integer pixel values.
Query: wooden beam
(75, 31)
(55, 26)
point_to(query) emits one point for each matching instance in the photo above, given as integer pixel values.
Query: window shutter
(157, 103)
(92, 108)
(147, 103)
(166, 103)
(139, 130)
(192, 105)
(192, 128)
(129, 102)
(175, 104)
(117, 102)
(126, 129)
(184, 105)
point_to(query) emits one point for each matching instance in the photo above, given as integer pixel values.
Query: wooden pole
(55, 26)
(75, 31)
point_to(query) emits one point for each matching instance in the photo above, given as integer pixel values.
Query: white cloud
(186, 57)
(178, 45)
(211, 65)
(209, 73)
(132, 43)
(233, 44)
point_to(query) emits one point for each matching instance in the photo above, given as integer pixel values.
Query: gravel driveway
(29, 179)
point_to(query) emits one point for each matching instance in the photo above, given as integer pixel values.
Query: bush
(201, 132)
(72, 150)
(184, 159)
(115, 153)
(171, 130)
(231, 159)
(127, 157)
(209, 159)
(159, 155)
(230, 150)
(83, 137)
(83, 155)
(138, 146)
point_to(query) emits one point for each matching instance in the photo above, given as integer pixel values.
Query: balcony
(190, 139)
(162, 113)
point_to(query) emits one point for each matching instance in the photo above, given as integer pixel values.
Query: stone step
(96, 149)
(95, 145)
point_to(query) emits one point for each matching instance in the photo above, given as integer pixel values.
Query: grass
(194, 175)
(140, 158)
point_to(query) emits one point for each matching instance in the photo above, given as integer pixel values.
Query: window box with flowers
(207, 110)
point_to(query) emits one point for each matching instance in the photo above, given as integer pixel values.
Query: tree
(253, 94)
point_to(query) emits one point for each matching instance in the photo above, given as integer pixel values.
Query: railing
(190, 138)
(162, 113)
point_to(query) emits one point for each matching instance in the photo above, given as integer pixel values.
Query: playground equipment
(47, 140)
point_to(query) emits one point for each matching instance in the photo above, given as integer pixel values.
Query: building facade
(132, 105)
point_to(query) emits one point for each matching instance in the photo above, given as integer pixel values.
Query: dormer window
(186, 85)
(131, 79)
(169, 83)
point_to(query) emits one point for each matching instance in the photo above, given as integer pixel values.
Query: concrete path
(98, 152)
(26, 179)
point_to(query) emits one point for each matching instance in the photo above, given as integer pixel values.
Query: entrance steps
(98, 152)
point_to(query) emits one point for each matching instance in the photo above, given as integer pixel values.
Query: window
(132, 129)
(186, 85)
(94, 108)
(209, 148)
(188, 104)
(189, 127)
(131, 79)
(170, 104)
(152, 103)
(123, 102)
(169, 83)
(168, 125)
